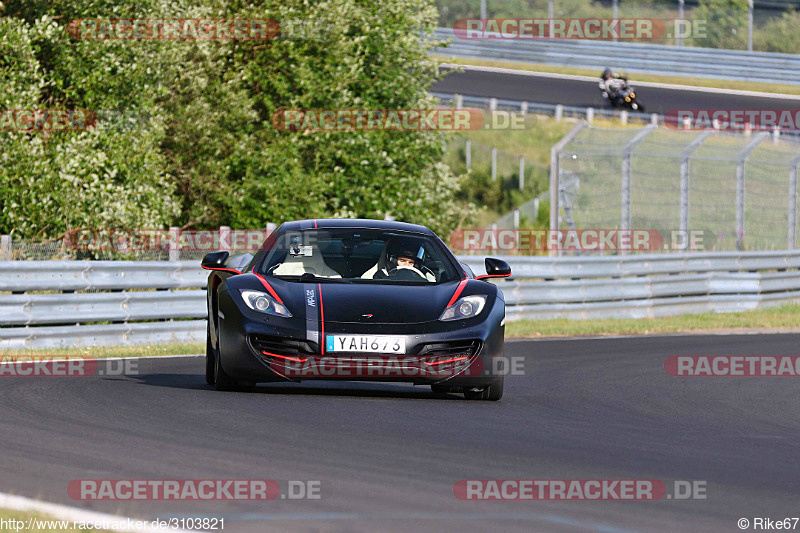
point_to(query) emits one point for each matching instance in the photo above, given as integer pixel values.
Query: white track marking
(88, 356)
(72, 514)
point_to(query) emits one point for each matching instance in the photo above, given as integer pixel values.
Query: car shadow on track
(306, 388)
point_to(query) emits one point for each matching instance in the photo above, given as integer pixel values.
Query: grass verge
(113, 351)
(778, 319)
(676, 80)
(40, 522)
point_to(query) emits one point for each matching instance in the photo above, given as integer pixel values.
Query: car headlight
(264, 303)
(466, 307)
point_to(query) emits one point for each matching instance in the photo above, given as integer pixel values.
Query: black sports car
(355, 300)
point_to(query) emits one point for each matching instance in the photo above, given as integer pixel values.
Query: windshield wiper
(308, 277)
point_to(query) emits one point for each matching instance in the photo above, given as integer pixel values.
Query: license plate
(365, 344)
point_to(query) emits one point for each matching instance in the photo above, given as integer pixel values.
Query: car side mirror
(496, 268)
(215, 260)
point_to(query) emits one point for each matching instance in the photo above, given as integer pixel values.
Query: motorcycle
(625, 97)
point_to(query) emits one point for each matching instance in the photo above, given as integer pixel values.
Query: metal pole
(555, 153)
(550, 15)
(5, 247)
(521, 173)
(750, 25)
(483, 9)
(740, 175)
(627, 151)
(793, 201)
(174, 235)
(494, 164)
(681, 18)
(685, 154)
(468, 153)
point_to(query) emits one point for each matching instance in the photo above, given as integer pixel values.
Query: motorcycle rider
(611, 84)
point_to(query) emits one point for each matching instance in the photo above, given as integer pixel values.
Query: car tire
(221, 380)
(490, 393)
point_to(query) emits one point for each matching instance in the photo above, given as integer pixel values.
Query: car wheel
(490, 393)
(221, 380)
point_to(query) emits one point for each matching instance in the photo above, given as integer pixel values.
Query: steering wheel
(405, 274)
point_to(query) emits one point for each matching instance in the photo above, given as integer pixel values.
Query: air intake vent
(281, 345)
(454, 349)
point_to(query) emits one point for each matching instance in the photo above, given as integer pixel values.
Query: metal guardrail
(556, 110)
(759, 67)
(40, 309)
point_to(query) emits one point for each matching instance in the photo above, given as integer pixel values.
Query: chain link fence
(737, 191)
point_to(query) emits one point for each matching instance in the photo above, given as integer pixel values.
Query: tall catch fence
(734, 191)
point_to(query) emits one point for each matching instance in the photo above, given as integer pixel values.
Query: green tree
(725, 23)
(779, 34)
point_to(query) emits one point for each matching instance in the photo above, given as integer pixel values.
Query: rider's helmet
(607, 74)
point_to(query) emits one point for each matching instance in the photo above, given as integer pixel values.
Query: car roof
(354, 223)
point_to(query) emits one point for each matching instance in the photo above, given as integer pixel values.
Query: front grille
(455, 348)
(281, 345)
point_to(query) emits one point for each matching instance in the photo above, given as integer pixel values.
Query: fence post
(749, 25)
(590, 114)
(492, 104)
(681, 18)
(740, 175)
(615, 8)
(5, 247)
(468, 153)
(685, 154)
(792, 243)
(174, 236)
(555, 154)
(494, 164)
(623, 116)
(459, 101)
(521, 173)
(523, 108)
(625, 220)
(559, 112)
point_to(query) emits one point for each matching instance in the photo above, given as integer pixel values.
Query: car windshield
(359, 255)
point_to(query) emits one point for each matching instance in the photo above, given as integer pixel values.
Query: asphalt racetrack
(579, 93)
(387, 456)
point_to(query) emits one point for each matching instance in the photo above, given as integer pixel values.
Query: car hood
(369, 303)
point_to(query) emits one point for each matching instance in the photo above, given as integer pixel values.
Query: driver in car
(406, 260)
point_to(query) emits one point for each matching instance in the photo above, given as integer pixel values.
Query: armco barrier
(760, 67)
(157, 302)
